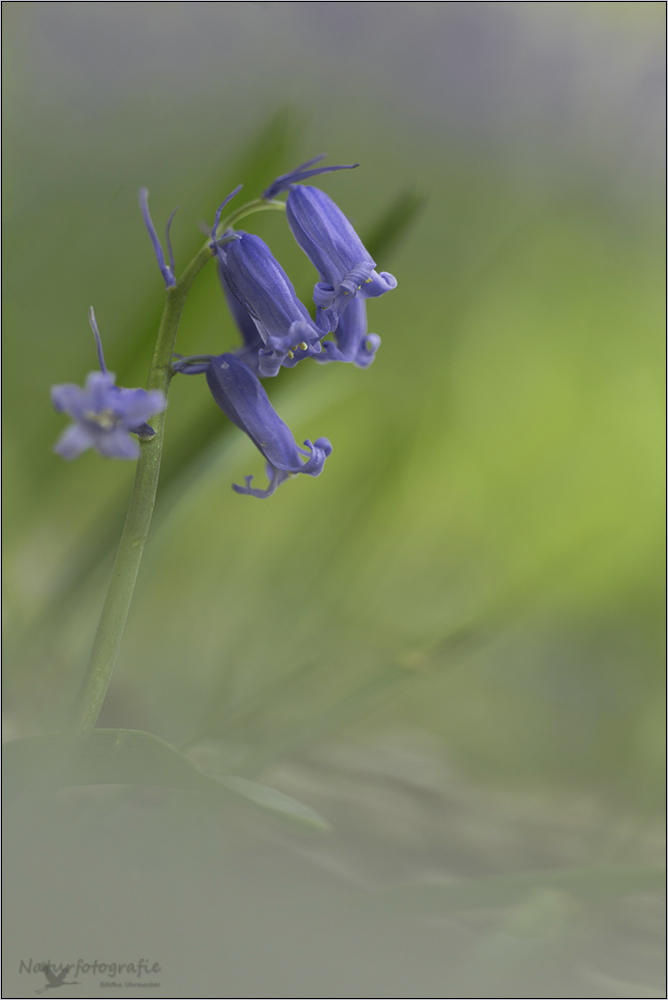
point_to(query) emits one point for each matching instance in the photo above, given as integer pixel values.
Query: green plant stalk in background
(142, 501)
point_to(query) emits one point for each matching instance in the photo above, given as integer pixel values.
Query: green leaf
(132, 757)
(273, 801)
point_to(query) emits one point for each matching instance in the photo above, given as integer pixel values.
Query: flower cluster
(275, 326)
(276, 329)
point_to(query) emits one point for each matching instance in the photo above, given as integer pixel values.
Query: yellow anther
(290, 354)
(303, 346)
(106, 419)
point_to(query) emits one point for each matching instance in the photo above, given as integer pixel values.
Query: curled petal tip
(325, 445)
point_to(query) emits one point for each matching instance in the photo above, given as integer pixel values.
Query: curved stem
(250, 208)
(124, 574)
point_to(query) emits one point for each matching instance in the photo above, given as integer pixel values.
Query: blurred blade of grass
(347, 709)
(622, 988)
(227, 721)
(284, 806)
(586, 884)
(133, 757)
(526, 939)
(269, 151)
(324, 723)
(225, 718)
(228, 717)
(383, 238)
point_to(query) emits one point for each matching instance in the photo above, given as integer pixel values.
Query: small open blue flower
(242, 398)
(346, 268)
(351, 340)
(251, 274)
(105, 414)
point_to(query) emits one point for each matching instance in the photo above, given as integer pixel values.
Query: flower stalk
(142, 501)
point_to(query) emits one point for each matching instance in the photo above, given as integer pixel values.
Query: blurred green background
(475, 583)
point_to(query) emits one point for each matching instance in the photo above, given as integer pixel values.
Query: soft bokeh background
(450, 643)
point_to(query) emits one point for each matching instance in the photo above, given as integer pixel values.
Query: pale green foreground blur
(449, 644)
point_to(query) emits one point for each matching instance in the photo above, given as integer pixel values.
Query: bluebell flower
(351, 340)
(346, 268)
(321, 229)
(241, 396)
(252, 341)
(252, 275)
(105, 414)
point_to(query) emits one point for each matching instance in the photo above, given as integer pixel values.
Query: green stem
(124, 574)
(250, 208)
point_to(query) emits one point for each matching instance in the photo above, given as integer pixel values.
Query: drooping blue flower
(252, 275)
(351, 340)
(346, 268)
(105, 414)
(242, 398)
(252, 341)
